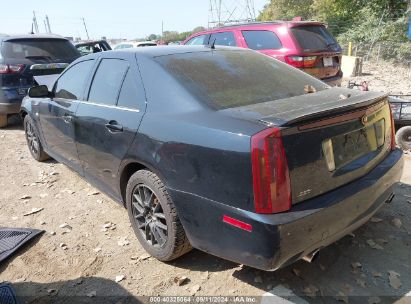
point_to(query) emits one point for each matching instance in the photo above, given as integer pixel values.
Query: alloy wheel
(149, 215)
(32, 139)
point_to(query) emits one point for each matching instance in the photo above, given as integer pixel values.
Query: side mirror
(41, 91)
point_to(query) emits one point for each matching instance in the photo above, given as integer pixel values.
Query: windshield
(51, 49)
(315, 37)
(226, 79)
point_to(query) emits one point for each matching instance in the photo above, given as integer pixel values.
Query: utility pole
(45, 26)
(162, 30)
(85, 27)
(48, 24)
(36, 26)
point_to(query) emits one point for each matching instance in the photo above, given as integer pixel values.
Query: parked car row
(305, 45)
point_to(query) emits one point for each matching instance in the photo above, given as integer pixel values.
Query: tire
(403, 138)
(33, 140)
(3, 121)
(155, 213)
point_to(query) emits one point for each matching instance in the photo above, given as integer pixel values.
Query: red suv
(305, 45)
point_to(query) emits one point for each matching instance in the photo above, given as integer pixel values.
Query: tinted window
(262, 40)
(107, 81)
(40, 48)
(225, 79)
(226, 38)
(72, 83)
(199, 40)
(132, 94)
(315, 37)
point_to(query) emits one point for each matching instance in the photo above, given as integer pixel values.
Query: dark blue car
(25, 56)
(225, 150)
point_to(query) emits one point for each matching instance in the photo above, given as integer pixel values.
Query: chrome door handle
(68, 119)
(113, 126)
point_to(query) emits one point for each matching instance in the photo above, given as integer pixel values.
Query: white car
(133, 44)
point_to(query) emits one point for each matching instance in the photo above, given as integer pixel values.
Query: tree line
(358, 21)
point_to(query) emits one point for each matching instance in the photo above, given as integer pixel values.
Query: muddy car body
(220, 149)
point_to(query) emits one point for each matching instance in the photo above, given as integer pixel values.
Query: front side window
(198, 40)
(107, 81)
(71, 84)
(262, 40)
(225, 38)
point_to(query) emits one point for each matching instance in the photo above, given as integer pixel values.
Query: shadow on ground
(81, 290)
(14, 123)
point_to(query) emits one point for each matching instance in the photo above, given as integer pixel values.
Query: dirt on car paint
(89, 248)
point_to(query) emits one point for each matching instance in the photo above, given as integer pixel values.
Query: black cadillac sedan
(222, 149)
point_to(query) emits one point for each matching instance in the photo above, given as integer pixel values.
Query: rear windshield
(39, 48)
(315, 37)
(229, 78)
(262, 40)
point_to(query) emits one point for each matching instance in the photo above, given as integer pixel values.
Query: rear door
(108, 121)
(263, 41)
(57, 115)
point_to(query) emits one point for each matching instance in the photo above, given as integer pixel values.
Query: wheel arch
(128, 169)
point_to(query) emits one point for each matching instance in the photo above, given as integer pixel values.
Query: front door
(108, 121)
(57, 115)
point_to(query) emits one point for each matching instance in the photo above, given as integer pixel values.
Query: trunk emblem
(364, 120)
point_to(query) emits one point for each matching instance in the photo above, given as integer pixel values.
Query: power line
(85, 27)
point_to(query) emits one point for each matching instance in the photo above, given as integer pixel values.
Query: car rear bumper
(279, 239)
(9, 108)
(10, 100)
(334, 81)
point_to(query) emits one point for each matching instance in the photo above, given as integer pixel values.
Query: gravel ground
(89, 249)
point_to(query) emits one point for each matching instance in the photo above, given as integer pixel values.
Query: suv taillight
(393, 143)
(11, 68)
(301, 61)
(271, 180)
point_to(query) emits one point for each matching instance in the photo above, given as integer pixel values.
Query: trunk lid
(329, 141)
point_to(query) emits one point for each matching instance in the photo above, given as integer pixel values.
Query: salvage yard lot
(89, 243)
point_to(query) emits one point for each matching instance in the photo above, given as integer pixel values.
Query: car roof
(259, 24)
(165, 50)
(31, 36)
(264, 23)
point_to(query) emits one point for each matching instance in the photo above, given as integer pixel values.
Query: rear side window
(262, 40)
(314, 37)
(71, 84)
(225, 38)
(132, 93)
(198, 40)
(226, 79)
(52, 49)
(107, 81)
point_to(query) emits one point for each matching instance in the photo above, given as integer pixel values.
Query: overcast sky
(114, 19)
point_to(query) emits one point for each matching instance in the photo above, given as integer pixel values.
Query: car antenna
(212, 45)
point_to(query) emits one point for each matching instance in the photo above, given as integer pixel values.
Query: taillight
(11, 68)
(301, 61)
(271, 181)
(393, 143)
